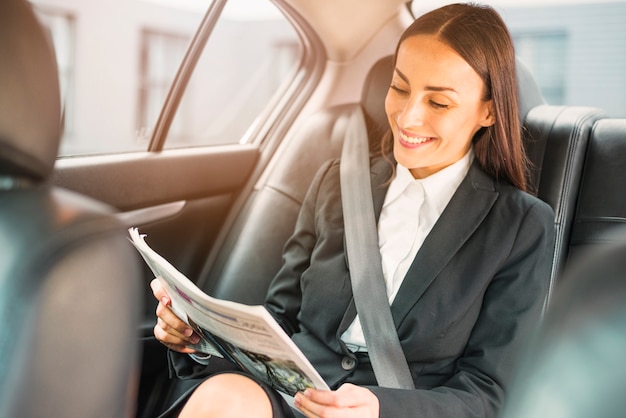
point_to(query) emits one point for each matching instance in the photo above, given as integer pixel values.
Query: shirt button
(348, 363)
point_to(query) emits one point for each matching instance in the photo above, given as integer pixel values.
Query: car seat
(600, 217)
(556, 139)
(574, 368)
(69, 282)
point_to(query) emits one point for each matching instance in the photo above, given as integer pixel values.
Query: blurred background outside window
(117, 59)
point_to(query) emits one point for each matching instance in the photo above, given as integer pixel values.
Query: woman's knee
(228, 395)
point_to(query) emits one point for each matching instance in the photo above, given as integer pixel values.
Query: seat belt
(366, 272)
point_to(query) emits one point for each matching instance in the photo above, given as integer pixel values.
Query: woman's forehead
(426, 59)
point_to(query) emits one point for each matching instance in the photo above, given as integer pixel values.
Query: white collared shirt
(406, 199)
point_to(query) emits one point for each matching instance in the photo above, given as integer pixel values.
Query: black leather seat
(251, 255)
(601, 209)
(69, 282)
(556, 139)
(575, 367)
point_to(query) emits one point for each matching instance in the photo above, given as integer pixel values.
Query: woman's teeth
(414, 139)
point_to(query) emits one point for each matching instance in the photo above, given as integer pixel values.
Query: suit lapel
(381, 171)
(466, 210)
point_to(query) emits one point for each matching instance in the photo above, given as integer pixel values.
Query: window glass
(61, 27)
(160, 53)
(251, 52)
(575, 49)
(118, 58)
(545, 54)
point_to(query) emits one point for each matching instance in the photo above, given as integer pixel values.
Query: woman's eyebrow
(402, 76)
(429, 88)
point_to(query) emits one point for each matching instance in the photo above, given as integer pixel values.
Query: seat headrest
(373, 100)
(30, 106)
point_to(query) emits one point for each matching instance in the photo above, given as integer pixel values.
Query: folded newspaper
(247, 335)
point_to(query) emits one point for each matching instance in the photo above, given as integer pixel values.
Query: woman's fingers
(171, 341)
(170, 329)
(346, 402)
(158, 290)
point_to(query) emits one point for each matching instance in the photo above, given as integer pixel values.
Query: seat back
(251, 255)
(69, 281)
(601, 209)
(574, 368)
(556, 139)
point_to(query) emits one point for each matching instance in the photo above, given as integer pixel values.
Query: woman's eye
(438, 105)
(398, 89)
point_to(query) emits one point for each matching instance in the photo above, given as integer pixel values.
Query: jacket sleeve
(511, 309)
(284, 295)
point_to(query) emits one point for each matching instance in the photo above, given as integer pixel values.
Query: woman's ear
(489, 117)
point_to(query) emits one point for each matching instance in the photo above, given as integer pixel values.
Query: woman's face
(434, 105)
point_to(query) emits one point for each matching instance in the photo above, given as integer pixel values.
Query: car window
(250, 54)
(117, 60)
(576, 50)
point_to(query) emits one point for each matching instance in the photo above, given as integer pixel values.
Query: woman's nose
(412, 114)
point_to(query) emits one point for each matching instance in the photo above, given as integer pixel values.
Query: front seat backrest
(574, 367)
(69, 282)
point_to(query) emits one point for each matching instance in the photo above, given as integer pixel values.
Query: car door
(172, 112)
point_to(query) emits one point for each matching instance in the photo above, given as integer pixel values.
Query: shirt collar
(438, 187)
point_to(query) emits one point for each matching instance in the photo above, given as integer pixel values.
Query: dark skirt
(281, 407)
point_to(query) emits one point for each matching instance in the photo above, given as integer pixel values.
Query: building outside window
(546, 55)
(160, 55)
(61, 27)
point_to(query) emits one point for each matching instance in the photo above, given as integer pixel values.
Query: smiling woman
(460, 312)
(436, 110)
(457, 86)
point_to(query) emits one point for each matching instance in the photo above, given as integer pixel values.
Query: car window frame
(279, 113)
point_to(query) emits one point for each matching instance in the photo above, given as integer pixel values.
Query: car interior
(72, 289)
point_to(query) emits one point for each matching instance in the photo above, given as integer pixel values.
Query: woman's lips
(412, 141)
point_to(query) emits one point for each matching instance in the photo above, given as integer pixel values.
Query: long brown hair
(480, 36)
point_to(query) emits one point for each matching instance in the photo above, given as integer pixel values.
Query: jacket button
(348, 363)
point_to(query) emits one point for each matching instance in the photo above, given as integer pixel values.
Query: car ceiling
(345, 27)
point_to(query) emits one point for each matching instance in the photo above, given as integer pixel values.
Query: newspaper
(247, 335)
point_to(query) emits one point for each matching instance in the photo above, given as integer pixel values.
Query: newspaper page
(247, 335)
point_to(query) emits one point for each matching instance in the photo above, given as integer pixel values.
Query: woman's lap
(280, 406)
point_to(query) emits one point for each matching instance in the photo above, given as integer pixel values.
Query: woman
(466, 252)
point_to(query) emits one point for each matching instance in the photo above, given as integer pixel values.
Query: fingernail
(195, 339)
(296, 399)
(164, 301)
(188, 332)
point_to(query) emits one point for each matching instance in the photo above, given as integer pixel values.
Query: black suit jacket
(468, 303)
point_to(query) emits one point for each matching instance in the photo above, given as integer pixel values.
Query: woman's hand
(347, 401)
(170, 330)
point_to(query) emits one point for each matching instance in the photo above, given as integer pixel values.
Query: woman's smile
(410, 140)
